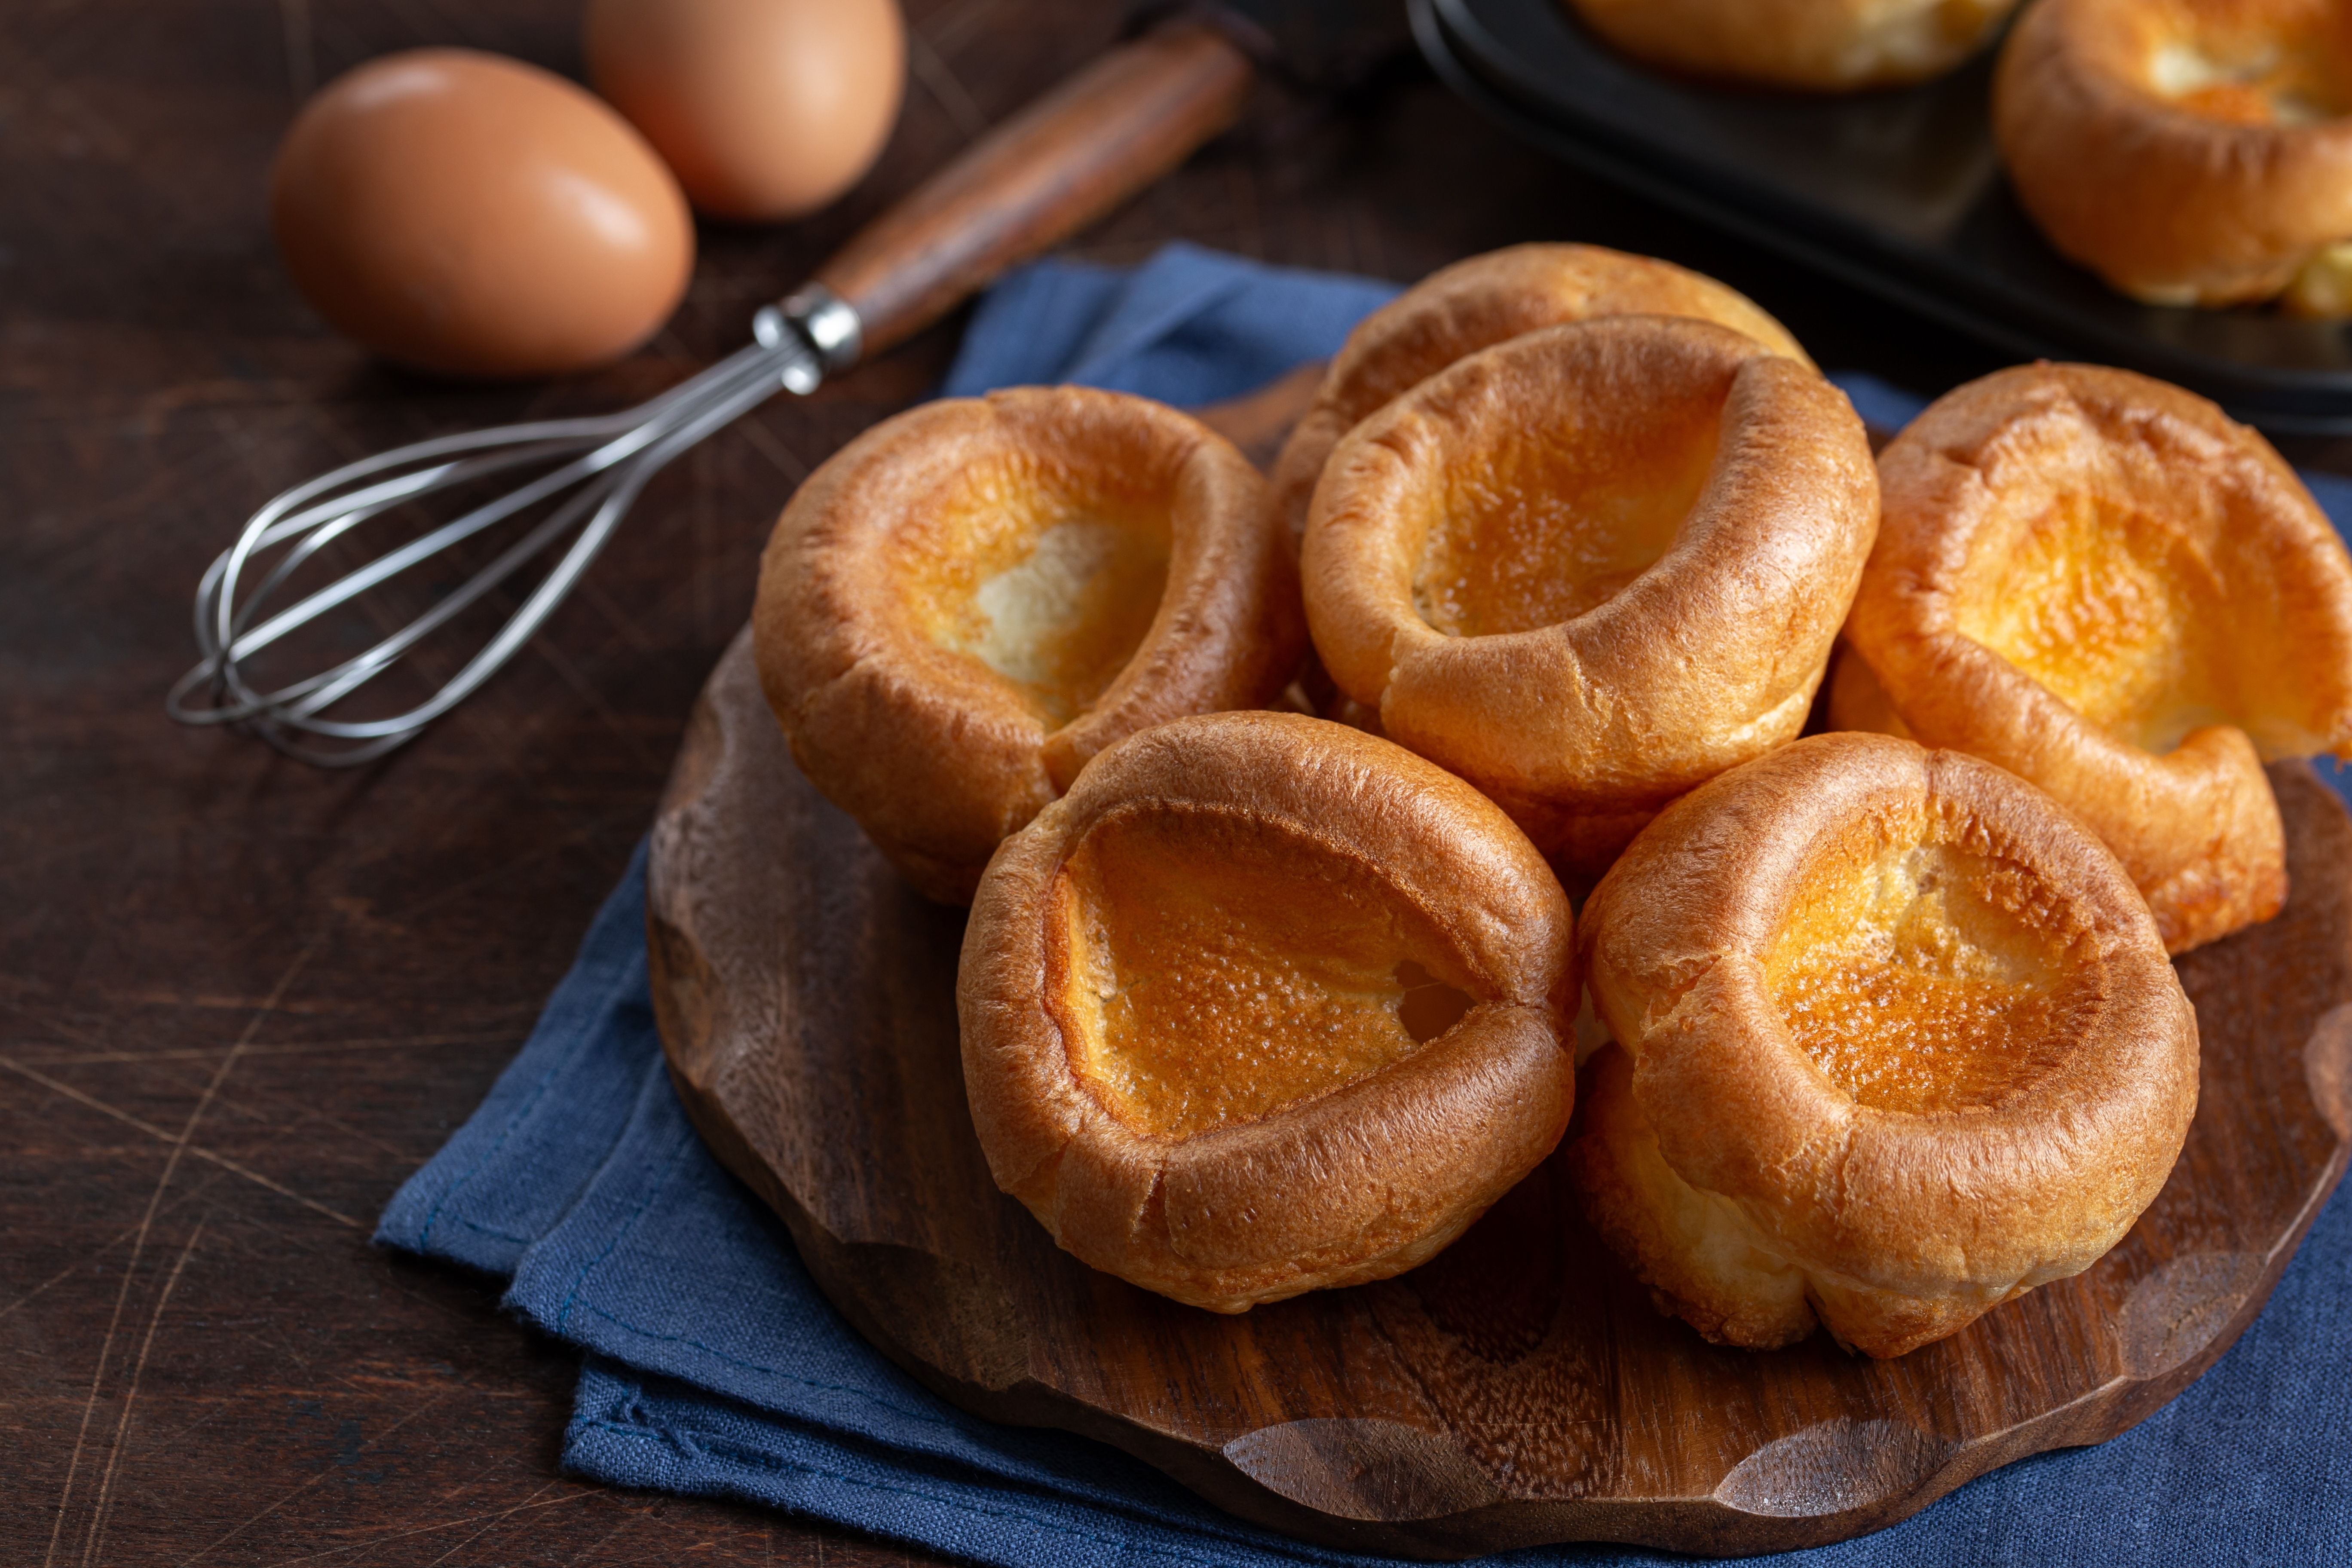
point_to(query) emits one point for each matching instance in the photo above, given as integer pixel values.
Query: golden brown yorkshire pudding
(969, 600)
(1898, 1042)
(1831, 46)
(1592, 566)
(2101, 583)
(1474, 304)
(2189, 152)
(1265, 1004)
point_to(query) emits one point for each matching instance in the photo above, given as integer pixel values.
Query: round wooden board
(1517, 1389)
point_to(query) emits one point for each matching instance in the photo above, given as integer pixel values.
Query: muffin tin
(1898, 193)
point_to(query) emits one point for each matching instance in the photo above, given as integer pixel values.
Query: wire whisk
(1041, 175)
(602, 462)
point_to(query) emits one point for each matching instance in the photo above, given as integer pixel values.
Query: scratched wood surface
(239, 1000)
(1517, 1389)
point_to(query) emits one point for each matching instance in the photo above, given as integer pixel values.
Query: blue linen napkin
(714, 1366)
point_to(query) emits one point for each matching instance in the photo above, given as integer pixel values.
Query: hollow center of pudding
(1923, 977)
(1559, 516)
(1049, 582)
(2116, 613)
(1220, 968)
(2288, 77)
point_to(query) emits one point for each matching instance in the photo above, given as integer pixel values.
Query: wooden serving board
(1520, 1388)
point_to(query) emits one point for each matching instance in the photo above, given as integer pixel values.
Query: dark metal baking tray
(1894, 192)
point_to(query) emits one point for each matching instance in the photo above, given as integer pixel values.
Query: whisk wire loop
(604, 461)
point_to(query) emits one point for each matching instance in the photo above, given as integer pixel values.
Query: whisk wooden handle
(1049, 170)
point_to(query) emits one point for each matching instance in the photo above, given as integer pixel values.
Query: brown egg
(473, 216)
(766, 108)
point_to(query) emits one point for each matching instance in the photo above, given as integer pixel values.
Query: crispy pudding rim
(1475, 303)
(1972, 477)
(2133, 447)
(1789, 479)
(848, 626)
(1777, 885)
(1427, 453)
(1344, 1184)
(2171, 202)
(1862, 1199)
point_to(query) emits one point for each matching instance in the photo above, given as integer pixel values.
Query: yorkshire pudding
(1590, 567)
(2103, 585)
(1474, 304)
(1897, 1043)
(1265, 1004)
(2189, 152)
(1831, 46)
(969, 600)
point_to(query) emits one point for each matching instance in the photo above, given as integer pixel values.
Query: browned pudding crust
(1824, 46)
(1477, 303)
(1898, 1043)
(969, 601)
(2103, 585)
(1592, 566)
(1265, 1004)
(2189, 152)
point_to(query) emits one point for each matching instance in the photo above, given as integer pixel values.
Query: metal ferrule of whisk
(592, 470)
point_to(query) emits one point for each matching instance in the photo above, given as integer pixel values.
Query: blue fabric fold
(714, 1367)
(1188, 327)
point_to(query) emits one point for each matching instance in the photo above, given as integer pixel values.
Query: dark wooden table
(241, 1000)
